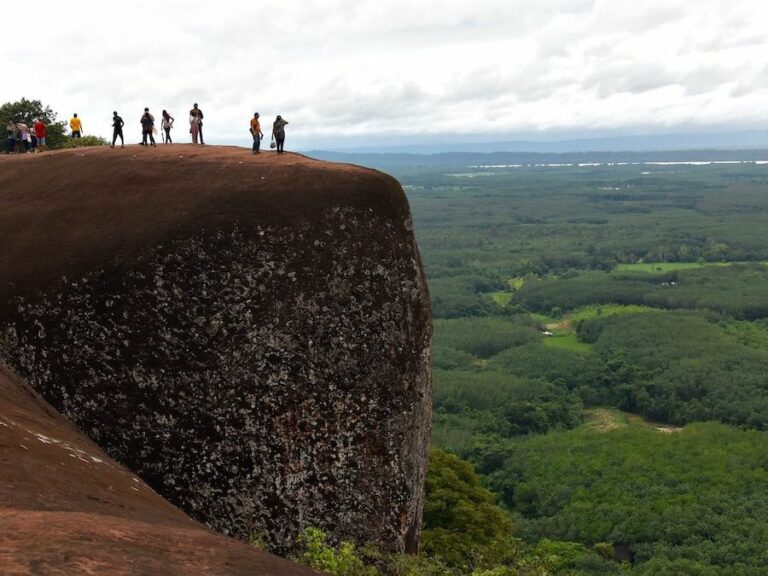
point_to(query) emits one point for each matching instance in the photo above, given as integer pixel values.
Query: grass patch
(542, 319)
(566, 341)
(604, 419)
(501, 298)
(594, 310)
(662, 266)
(671, 266)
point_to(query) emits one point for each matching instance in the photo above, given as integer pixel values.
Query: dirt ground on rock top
(68, 211)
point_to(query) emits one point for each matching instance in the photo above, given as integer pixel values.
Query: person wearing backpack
(117, 130)
(147, 127)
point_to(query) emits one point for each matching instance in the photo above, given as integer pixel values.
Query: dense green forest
(600, 367)
(601, 358)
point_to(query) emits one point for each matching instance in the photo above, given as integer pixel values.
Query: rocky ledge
(250, 335)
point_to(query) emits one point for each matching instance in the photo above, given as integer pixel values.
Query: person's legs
(152, 138)
(168, 136)
(256, 142)
(11, 145)
(122, 142)
(114, 137)
(280, 144)
(143, 137)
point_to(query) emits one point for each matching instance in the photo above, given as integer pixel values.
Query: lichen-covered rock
(67, 508)
(266, 366)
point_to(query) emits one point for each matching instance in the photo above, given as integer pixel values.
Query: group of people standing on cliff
(148, 129)
(278, 133)
(33, 139)
(22, 138)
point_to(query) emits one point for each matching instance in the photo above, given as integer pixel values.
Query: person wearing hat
(256, 132)
(147, 127)
(196, 118)
(278, 132)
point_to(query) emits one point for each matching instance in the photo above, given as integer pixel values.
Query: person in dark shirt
(198, 115)
(117, 130)
(147, 128)
(278, 133)
(11, 143)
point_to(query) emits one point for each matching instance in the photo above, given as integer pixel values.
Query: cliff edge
(249, 334)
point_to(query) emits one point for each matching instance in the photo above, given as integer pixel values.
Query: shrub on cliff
(337, 561)
(463, 527)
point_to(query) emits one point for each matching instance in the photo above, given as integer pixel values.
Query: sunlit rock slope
(67, 508)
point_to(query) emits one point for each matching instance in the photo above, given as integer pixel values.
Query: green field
(593, 311)
(665, 266)
(566, 341)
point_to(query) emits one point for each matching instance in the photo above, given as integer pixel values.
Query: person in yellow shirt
(77, 128)
(256, 132)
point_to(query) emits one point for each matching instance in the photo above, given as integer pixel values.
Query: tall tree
(28, 111)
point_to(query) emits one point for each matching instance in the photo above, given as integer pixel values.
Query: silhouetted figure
(197, 114)
(11, 139)
(117, 130)
(147, 127)
(166, 124)
(278, 132)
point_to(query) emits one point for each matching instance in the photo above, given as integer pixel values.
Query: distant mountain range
(748, 139)
(482, 160)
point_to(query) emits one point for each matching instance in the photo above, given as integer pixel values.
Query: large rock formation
(67, 508)
(249, 334)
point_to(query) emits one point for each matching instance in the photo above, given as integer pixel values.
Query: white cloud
(344, 67)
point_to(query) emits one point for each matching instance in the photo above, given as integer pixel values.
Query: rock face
(67, 508)
(249, 334)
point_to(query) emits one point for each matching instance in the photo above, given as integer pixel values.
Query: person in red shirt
(40, 131)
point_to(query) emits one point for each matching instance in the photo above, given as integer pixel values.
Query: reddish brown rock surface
(67, 508)
(248, 334)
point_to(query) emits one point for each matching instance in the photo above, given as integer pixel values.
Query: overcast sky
(362, 70)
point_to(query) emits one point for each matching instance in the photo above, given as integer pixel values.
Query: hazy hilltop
(581, 142)
(508, 159)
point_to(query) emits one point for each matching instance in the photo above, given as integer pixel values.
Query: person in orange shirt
(256, 132)
(77, 128)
